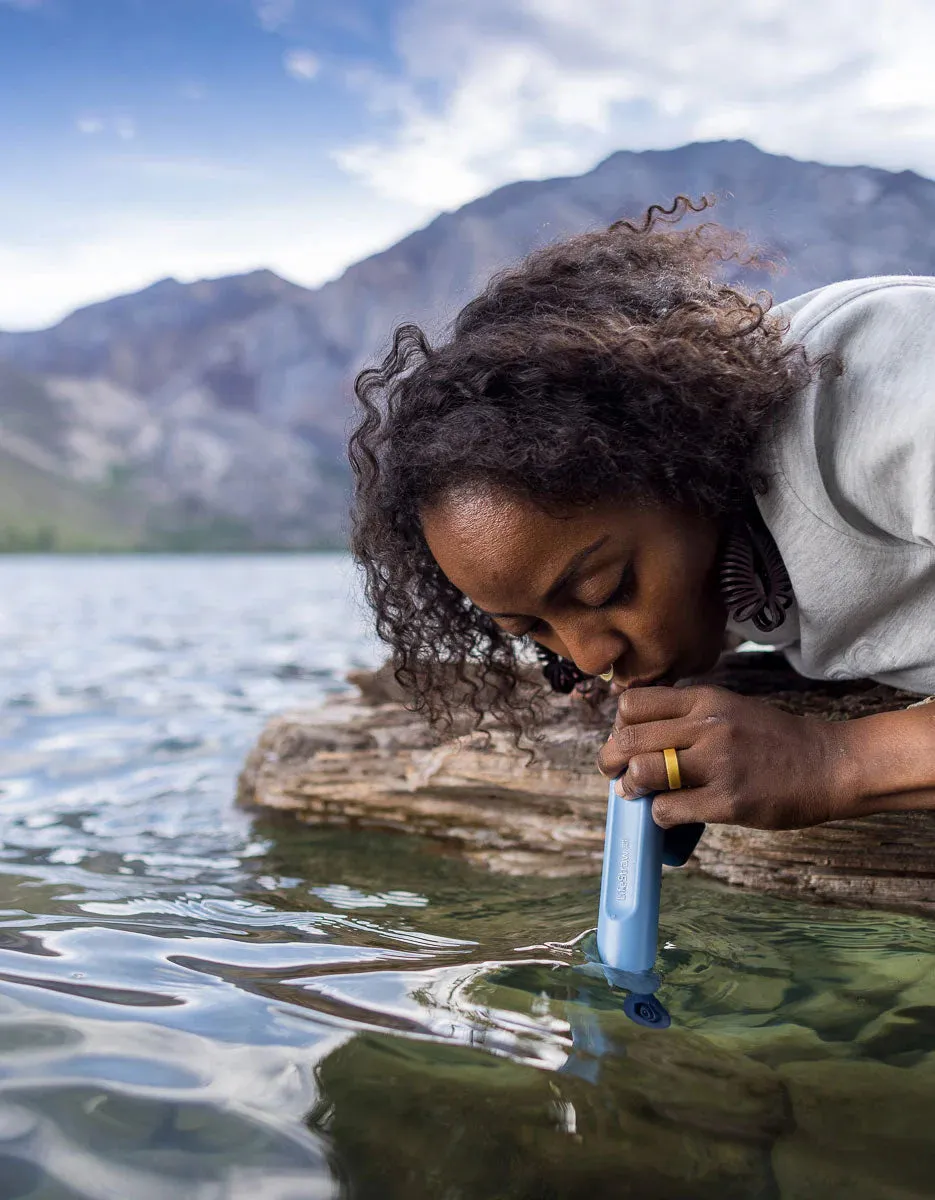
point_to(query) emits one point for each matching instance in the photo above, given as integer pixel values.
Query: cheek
(682, 596)
(693, 572)
(675, 582)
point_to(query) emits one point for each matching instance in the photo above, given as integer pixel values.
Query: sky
(141, 139)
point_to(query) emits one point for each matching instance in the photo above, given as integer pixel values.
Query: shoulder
(884, 307)
(859, 447)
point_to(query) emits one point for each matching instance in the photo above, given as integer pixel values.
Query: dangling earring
(562, 676)
(754, 581)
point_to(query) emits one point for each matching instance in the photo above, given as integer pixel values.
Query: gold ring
(672, 770)
(607, 676)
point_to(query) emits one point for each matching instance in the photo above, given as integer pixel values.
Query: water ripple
(199, 1003)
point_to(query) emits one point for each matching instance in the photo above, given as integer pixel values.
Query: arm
(745, 762)
(887, 762)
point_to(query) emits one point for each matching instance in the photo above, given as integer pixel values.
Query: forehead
(501, 550)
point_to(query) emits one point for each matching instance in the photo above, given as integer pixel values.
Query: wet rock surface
(365, 760)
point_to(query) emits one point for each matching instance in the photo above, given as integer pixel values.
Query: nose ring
(607, 676)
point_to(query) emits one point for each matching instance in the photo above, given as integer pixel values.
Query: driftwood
(365, 760)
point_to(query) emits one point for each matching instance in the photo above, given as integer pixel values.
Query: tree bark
(365, 760)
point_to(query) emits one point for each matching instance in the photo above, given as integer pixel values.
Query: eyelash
(622, 594)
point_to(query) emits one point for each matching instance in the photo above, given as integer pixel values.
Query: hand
(742, 762)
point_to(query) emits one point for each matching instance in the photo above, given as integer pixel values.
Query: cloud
(122, 127)
(497, 90)
(274, 14)
(301, 64)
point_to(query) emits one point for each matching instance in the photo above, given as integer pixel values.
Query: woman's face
(615, 585)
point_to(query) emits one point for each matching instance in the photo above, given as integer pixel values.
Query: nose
(593, 644)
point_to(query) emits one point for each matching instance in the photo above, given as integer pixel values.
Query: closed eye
(534, 628)
(624, 592)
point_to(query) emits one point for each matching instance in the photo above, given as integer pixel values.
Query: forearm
(886, 763)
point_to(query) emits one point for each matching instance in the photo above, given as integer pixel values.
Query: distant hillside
(39, 510)
(219, 409)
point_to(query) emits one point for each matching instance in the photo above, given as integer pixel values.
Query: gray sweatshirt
(851, 499)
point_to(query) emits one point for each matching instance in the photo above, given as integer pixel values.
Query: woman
(618, 460)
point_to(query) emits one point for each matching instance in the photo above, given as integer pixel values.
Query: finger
(706, 804)
(627, 741)
(647, 773)
(654, 704)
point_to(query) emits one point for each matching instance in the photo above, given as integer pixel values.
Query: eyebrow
(572, 567)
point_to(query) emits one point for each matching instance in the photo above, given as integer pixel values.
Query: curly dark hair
(617, 363)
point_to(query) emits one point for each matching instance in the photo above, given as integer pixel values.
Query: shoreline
(363, 760)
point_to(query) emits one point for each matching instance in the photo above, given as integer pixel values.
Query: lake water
(198, 1004)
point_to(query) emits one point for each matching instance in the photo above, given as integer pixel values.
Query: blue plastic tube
(628, 921)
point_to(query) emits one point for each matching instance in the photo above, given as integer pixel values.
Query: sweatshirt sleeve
(873, 425)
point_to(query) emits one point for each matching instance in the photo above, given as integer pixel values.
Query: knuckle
(625, 740)
(640, 771)
(710, 701)
(719, 733)
(664, 812)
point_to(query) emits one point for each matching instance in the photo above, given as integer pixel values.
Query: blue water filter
(628, 921)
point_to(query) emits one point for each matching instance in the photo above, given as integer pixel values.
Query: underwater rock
(672, 1118)
(853, 1126)
(365, 760)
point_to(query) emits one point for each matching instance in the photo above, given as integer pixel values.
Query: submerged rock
(365, 760)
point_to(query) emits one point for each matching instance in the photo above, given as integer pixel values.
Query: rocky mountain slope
(215, 413)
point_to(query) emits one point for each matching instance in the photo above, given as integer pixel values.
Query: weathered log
(365, 760)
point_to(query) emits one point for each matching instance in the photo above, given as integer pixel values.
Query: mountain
(164, 404)
(216, 412)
